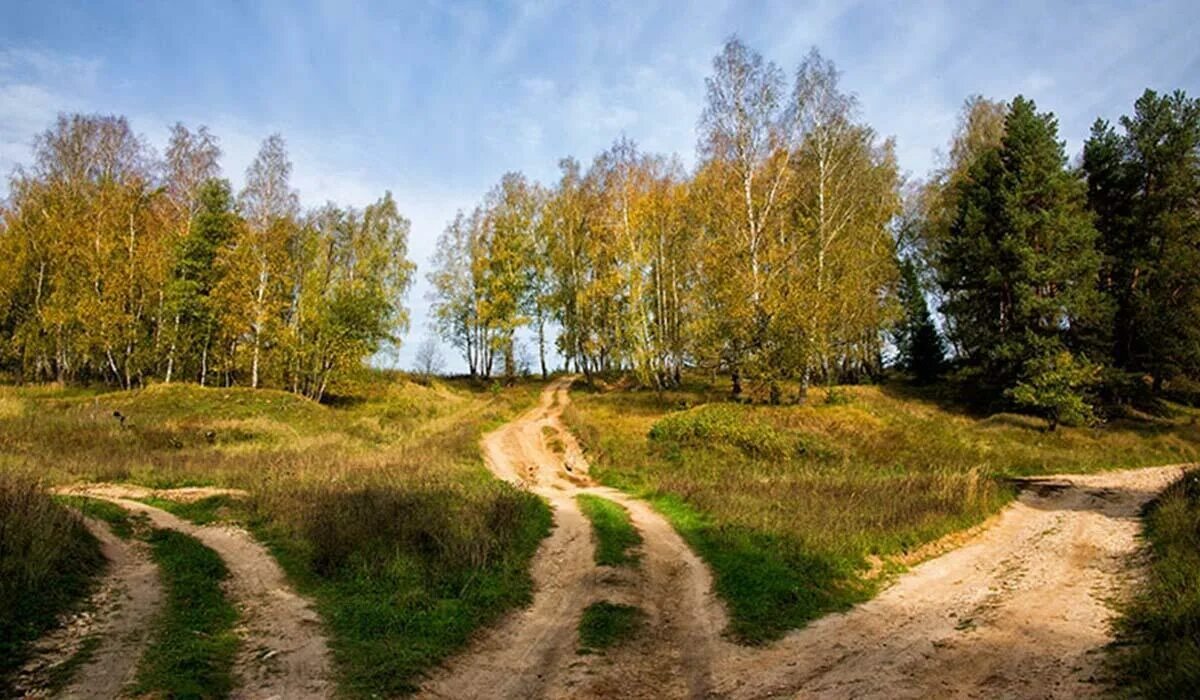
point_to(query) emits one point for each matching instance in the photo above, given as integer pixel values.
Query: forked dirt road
(283, 652)
(533, 653)
(1020, 610)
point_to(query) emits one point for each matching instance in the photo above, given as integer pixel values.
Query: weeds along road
(1020, 610)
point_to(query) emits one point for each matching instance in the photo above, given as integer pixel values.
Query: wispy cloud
(435, 101)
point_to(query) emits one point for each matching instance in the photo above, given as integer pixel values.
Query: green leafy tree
(194, 276)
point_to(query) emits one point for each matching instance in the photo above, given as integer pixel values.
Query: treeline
(120, 266)
(1063, 287)
(774, 260)
(794, 253)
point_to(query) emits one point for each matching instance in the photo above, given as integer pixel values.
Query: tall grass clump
(48, 562)
(1162, 622)
(403, 576)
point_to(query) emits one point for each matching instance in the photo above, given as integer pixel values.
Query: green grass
(202, 511)
(616, 537)
(605, 625)
(792, 505)
(49, 563)
(377, 504)
(1161, 624)
(193, 647)
(402, 580)
(120, 521)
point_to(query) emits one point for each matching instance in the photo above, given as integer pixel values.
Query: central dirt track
(1022, 609)
(533, 653)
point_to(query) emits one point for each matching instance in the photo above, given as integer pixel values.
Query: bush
(717, 424)
(48, 561)
(1056, 387)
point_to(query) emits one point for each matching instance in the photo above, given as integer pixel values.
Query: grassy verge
(1162, 623)
(120, 521)
(616, 537)
(201, 511)
(791, 505)
(605, 624)
(48, 564)
(191, 655)
(403, 579)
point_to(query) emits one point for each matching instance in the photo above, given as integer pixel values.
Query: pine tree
(1144, 186)
(1019, 268)
(919, 346)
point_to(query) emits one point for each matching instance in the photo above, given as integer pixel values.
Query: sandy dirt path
(533, 653)
(284, 652)
(1021, 610)
(119, 615)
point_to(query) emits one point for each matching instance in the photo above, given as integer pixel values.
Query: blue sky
(436, 100)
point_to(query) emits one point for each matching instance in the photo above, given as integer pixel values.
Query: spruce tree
(920, 348)
(1019, 271)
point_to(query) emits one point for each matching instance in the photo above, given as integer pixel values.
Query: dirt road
(1020, 610)
(118, 618)
(283, 652)
(533, 653)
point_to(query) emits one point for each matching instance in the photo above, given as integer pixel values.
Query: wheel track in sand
(532, 653)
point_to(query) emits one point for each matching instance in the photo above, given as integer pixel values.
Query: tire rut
(1021, 610)
(119, 615)
(283, 653)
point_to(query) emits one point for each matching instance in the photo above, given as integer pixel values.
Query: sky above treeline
(436, 100)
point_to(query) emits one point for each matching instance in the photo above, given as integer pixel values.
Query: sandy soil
(187, 494)
(119, 614)
(284, 653)
(1019, 607)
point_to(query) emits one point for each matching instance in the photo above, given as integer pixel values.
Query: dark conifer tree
(1019, 271)
(919, 346)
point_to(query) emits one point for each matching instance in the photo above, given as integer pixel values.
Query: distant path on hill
(283, 652)
(1021, 610)
(533, 652)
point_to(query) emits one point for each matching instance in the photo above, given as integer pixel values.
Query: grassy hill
(377, 504)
